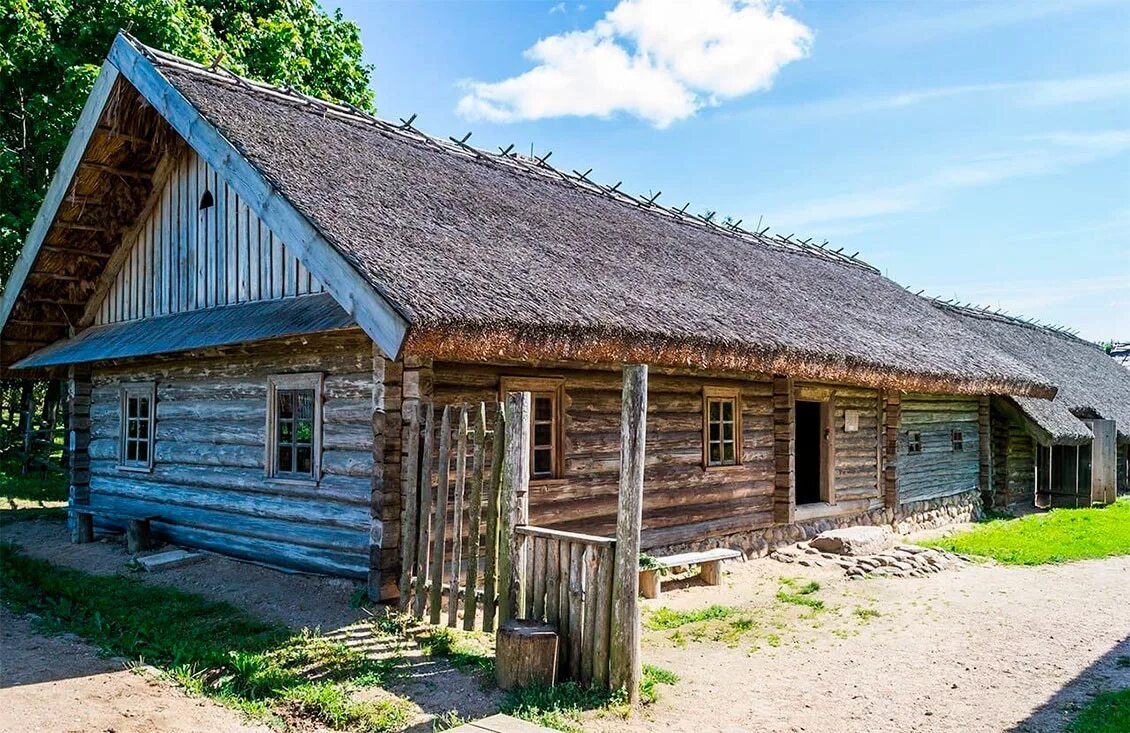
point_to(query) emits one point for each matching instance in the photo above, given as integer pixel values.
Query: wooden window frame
(276, 382)
(910, 442)
(555, 387)
(131, 390)
(957, 441)
(713, 393)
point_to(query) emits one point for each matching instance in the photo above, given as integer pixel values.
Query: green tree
(51, 50)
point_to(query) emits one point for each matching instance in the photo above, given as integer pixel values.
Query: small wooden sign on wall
(851, 421)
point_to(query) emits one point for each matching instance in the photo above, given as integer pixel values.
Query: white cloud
(558, 8)
(1041, 155)
(660, 60)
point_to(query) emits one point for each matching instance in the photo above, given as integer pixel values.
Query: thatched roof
(487, 257)
(1091, 384)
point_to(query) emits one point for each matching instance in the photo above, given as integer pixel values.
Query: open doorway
(809, 465)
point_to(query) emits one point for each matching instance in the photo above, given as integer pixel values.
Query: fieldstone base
(907, 518)
(902, 561)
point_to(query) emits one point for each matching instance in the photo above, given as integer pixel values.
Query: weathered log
(525, 655)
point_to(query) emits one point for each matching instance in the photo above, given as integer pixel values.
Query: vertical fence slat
(603, 623)
(494, 490)
(576, 607)
(552, 581)
(528, 577)
(424, 517)
(588, 633)
(457, 520)
(540, 547)
(409, 507)
(474, 511)
(440, 517)
(515, 497)
(564, 552)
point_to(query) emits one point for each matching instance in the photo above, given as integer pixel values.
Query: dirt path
(983, 648)
(298, 601)
(59, 684)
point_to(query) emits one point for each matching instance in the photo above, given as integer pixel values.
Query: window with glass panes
(543, 435)
(722, 434)
(137, 426)
(294, 433)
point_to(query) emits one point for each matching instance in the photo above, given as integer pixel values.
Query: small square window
(957, 440)
(913, 441)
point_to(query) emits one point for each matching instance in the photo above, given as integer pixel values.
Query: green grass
(25, 497)
(668, 618)
(464, 649)
(1060, 535)
(211, 648)
(562, 707)
(800, 595)
(1107, 713)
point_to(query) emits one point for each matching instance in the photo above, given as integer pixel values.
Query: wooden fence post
(457, 520)
(624, 652)
(439, 519)
(515, 503)
(474, 512)
(377, 481)
(494, 491)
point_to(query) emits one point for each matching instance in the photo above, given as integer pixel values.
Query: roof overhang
(223, 326)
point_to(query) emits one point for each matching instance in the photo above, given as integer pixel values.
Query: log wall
(185, 258)
(208, 484)
(1013, 460)
(938, 470)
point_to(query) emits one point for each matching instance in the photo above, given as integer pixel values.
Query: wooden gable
(198, 245)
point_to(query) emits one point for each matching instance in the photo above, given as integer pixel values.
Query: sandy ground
(296, 600)
(59, 684)
(981, 648)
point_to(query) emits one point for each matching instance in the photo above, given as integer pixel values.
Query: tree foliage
(51, 51)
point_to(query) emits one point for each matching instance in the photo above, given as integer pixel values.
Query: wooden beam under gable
(60, 183)
(382, 320)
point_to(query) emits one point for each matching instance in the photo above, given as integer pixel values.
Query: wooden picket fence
(567, 583)
(450, 515)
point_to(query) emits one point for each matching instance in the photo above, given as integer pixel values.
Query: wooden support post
(137, 535)
(784, 455)
(377, 482)
(78, 444)
(515, 504)
(624, 649)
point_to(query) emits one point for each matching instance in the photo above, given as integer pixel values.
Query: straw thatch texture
(1091, 384)
(465, 245)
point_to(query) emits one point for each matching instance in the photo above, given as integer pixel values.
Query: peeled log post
(515, 503)
(525, 655)
(624, 651)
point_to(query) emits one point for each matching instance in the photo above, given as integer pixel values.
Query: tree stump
(525, 654)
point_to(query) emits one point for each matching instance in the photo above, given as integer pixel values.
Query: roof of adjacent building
(1091, 384)
(493, 256)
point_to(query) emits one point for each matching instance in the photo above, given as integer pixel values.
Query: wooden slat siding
(855, 455)
(78, 437)
(423, 544)
(474, 514)
(208, 482)
(185, 258)
(784, 416)
(457, 519)
(938, 470)
(680, 494)
(492, 542)
(891, 420)
(439, 518)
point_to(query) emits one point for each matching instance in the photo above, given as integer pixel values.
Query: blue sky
(976, 150)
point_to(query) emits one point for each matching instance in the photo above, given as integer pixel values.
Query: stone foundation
(907, 518)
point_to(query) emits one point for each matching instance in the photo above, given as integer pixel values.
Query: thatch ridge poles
(624, 653)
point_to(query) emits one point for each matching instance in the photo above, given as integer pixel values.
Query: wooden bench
(137, 528)
(709, 562)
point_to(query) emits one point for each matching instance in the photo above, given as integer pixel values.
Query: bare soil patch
(981, 648)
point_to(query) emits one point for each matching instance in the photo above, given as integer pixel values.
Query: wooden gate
(449, 517)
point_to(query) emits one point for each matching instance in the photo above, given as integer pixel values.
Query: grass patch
(1060, 535)
(210, 648)
(668, 618)
(866, 614)
(800, 599)
(562, 707)
(464, 649)
(1107, 713)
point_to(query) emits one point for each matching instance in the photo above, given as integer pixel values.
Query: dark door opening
(809, 440)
